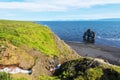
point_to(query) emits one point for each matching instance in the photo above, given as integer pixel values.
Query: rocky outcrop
(88, 69)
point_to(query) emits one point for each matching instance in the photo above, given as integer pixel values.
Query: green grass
(94, 73)
(29, 34)
(44, 77)
(7, 76)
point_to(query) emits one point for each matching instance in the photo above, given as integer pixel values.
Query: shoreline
(97, 44)
(109, 53)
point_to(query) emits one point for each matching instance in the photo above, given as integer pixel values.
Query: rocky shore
(110, 54)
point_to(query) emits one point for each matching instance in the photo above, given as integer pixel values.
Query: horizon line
(101, 19)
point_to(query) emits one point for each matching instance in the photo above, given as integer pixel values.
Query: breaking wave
(109, 39)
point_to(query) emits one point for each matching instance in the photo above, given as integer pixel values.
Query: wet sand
(110, 54)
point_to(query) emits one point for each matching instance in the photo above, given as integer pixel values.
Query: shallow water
(107, 32)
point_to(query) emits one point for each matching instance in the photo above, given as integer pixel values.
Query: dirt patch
(11, 55)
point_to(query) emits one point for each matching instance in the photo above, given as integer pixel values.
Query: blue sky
(59, 9)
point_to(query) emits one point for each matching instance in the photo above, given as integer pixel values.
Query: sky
(51, 10)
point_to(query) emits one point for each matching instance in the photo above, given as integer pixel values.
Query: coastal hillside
(29, 51)
(30, 46)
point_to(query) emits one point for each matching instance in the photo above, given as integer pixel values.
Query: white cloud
(88, 17)
(28, 6)
(54, 5)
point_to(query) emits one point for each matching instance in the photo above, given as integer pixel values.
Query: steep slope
(31, 46)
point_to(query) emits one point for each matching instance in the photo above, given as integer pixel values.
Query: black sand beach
(110, 54)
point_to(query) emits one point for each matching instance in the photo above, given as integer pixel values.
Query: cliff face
(31, 46)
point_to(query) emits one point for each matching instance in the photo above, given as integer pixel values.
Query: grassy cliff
(31, 46)
(28, 34)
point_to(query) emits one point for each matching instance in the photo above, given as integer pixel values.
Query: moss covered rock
(87, 69)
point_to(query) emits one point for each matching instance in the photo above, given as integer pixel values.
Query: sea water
(107, 32)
